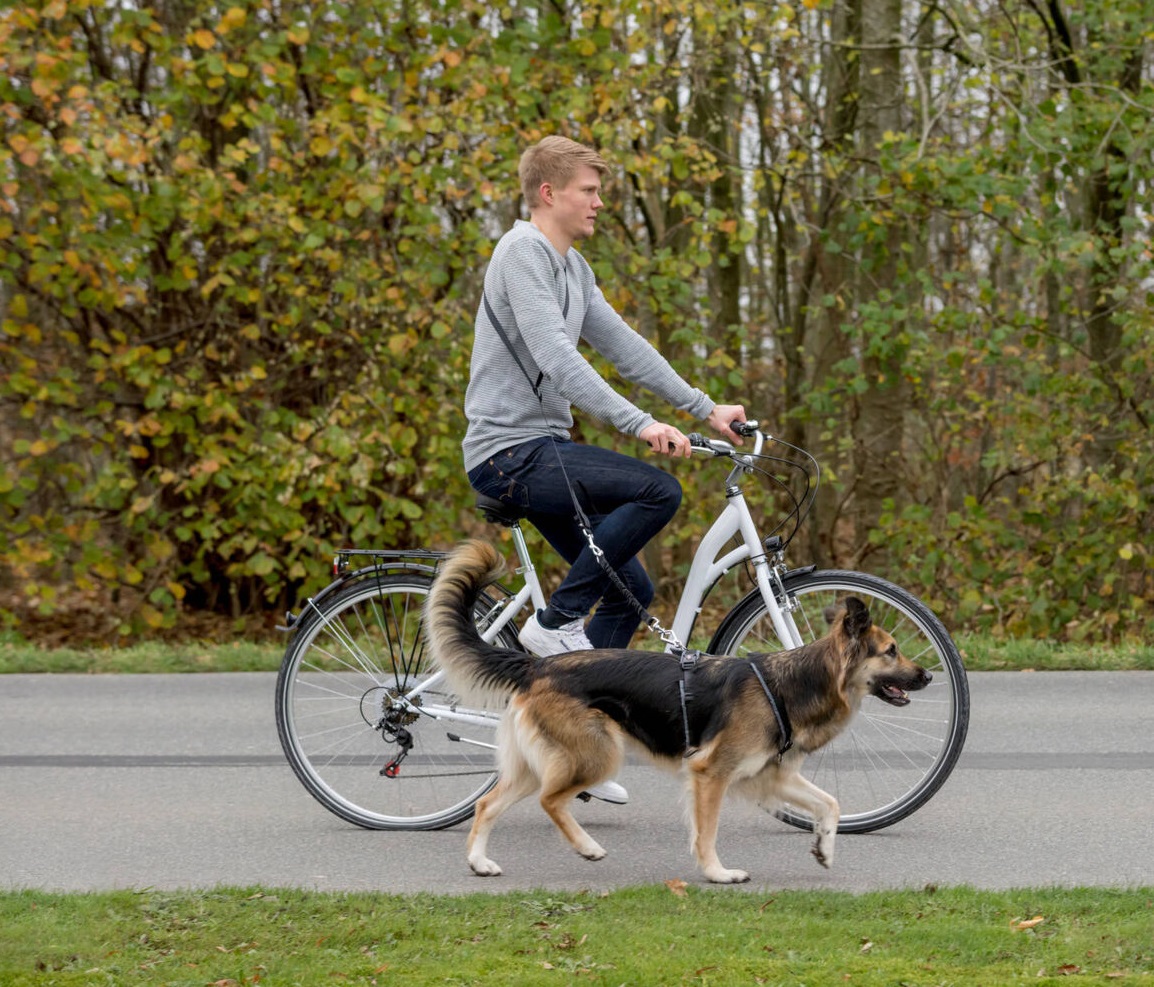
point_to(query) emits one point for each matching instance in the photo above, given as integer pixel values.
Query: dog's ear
(857, 618)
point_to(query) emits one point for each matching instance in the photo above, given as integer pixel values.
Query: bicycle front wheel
(364, 721)
(888, 761)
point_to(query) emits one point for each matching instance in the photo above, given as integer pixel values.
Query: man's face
(575, 206)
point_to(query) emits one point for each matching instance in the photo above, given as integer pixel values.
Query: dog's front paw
(484, 867)
(593, 851)
(723, 875)
(823, 853)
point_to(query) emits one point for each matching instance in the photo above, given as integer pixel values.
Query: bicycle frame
(710, 563)
(363, 652)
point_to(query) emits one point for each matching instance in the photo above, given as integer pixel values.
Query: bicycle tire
(341, 724)
(888, 762)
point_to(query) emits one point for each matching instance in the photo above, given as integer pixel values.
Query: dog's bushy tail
(474, 667)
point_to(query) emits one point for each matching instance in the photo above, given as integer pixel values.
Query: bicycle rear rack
(350, 564)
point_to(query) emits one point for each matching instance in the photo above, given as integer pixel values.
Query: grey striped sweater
(526, 285)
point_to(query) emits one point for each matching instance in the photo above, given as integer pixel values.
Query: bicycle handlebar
(719, 447)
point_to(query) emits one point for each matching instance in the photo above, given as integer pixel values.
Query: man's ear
(546, 191)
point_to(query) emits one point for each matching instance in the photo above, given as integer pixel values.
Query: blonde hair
(554, 160)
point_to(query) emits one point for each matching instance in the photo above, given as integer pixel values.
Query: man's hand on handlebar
(667, 440)
(722, 416)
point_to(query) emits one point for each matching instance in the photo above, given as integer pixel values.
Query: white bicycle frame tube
(709, 565)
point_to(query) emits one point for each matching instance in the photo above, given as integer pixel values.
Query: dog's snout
(926, 677)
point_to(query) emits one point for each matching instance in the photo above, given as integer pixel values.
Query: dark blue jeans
(627, 503)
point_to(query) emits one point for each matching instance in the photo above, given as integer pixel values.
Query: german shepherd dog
(569, 716)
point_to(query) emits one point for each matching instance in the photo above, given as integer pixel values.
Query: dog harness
(784, 728)
(688, 661)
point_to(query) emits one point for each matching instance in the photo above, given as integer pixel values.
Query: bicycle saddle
(500, 511)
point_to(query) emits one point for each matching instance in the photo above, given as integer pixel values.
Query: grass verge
(981, 654)
(643, 936)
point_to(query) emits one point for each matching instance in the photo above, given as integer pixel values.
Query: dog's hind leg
(518, 780)
(510, 789)
(558, 790)
(821, 805)
(708, 792)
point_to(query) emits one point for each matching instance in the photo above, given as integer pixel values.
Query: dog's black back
(640, 690)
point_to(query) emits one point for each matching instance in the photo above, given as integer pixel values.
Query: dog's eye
(892, 651)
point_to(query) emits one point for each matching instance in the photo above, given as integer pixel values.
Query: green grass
(22, 656)
(980, 654)
(643, 936)
(985, 654)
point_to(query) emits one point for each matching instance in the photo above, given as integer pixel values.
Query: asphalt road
(178, 781)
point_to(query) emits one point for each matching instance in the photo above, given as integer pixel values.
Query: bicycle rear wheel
(888, 761)
(363, 744)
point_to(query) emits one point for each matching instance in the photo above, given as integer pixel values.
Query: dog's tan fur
(570, 716)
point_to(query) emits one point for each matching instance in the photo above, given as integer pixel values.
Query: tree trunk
(878, 426)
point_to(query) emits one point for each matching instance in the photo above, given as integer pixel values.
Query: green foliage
(241, 248)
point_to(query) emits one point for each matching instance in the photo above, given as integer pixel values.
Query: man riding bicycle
(540, 298)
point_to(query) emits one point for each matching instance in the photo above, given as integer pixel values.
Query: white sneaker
(607, 791)
(543, 641)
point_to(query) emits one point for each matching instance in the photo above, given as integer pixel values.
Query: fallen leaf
(1068, 970)
(1026, 923)
(677, 887)
(866, 946)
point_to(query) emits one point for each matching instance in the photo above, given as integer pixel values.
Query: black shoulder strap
(496, 324)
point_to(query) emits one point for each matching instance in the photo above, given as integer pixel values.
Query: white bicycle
(372, 732)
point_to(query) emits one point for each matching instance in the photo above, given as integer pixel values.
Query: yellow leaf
(152, 617)
(141, 504)
(233, 17)
(677, 886)
(204, 39)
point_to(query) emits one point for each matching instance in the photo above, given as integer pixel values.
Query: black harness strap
(785, 730)
(688, 660)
